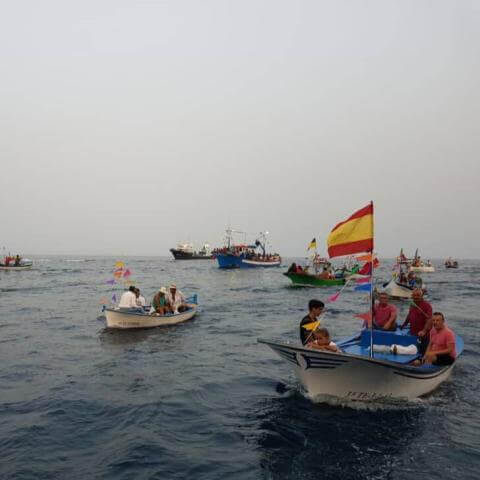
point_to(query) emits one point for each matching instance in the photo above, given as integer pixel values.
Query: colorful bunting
(334, 297)
(365, 258)
(366, 287)
(111, 282)
(117, 274)
(127, 273)
(363, 280)
(366, 317)
(311, 326)
(119, 264)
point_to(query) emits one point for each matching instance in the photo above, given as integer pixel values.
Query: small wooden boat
(309, 280)
(449, 263)
(399, 291)
(354, 374)
(125, 318)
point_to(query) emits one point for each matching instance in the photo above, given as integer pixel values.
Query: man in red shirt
(441, 348)
(420, 318)
(384, 314)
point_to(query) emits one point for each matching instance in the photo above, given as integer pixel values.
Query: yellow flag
(119, 264)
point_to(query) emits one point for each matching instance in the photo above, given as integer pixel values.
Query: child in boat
(321, 341)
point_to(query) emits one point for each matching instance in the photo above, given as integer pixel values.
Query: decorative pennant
(363, 280)
(117, 274)
(366, 287)
(127, 273)
(334, 297)
(311, 326)
(111, 282)
(366, 317)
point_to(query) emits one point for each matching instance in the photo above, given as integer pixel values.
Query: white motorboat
(397, 290)
(126, 318)
(355, 375)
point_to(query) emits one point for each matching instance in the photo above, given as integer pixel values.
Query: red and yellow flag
(354, 235)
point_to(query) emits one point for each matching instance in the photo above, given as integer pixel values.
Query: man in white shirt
(176, 299)
(128, 299)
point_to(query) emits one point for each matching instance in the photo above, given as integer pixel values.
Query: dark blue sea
(203, 400)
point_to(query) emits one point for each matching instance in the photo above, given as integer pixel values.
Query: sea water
(203, 399)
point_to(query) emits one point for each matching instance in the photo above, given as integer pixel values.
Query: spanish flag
(354, 235)
(313, 244)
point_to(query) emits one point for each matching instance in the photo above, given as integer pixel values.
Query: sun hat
(173, 286)
(163, 290)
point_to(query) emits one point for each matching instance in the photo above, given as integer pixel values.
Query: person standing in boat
(384, 314)
(315, 308)
(176, 299)
(441, 348)
(420, 318)
(17, 261)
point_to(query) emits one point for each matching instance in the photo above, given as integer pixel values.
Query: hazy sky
(126, 127)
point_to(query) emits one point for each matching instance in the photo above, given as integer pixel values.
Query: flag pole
(371, 283)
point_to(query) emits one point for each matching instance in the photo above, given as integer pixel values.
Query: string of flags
(121, 274)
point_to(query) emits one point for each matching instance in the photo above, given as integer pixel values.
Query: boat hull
(307, 280)
(240, 261)
(12, 268)
(121, 319)
(395, 290)
(355, 377)
(181, 255)
(421, 269)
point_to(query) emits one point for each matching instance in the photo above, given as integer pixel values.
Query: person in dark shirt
(315, 308)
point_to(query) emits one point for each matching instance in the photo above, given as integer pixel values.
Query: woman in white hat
(160, 302)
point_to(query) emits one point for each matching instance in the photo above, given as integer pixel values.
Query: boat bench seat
(365, 352)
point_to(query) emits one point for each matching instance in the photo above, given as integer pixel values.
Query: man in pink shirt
(441, 348)
(384, 314)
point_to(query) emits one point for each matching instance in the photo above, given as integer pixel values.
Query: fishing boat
(127, 319)
(357, 374)
(306, 279)
(449, 263)
(419, 266)
(246, 256)
(185, 251)
(373, 364)
(10, 263)
(16, 268)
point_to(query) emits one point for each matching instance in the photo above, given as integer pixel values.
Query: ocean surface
(203, 400)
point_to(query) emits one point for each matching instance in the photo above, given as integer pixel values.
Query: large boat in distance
(246, 256)
(185, 251)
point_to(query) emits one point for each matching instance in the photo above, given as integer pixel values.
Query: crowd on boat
(165, 301)
(12, 260)
(436, 341)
